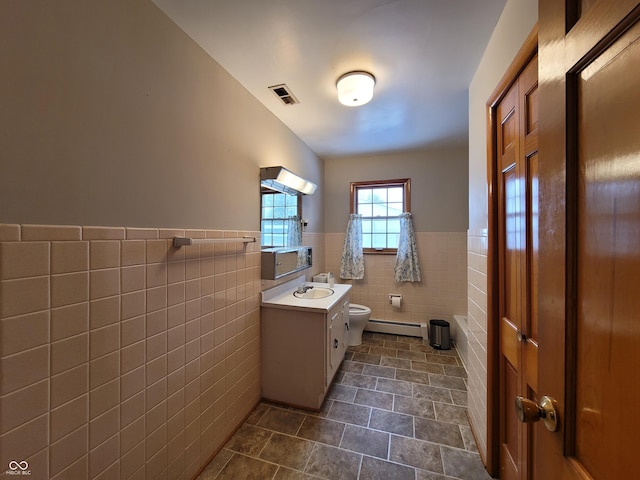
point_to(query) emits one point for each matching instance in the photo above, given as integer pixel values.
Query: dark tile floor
(396, 410)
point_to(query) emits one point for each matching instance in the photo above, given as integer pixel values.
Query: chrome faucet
(303, 288)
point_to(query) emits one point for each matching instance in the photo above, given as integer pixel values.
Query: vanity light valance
(285, 181)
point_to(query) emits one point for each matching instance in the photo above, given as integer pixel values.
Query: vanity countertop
(282, 296)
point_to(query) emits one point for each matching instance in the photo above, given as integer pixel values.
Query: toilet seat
(354, 308)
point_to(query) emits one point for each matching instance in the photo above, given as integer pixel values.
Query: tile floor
(396, 410)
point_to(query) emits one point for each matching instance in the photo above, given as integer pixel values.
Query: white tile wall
(477, 346)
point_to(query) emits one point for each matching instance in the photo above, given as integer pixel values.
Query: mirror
(281, 222)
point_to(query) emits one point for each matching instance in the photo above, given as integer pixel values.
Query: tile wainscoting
(121, 356)
(441, 294)
(477, 336)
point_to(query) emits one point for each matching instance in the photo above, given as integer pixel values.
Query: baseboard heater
(398, 328)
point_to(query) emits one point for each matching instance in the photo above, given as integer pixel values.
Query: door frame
(521, 60)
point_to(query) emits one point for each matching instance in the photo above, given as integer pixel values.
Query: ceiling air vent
(284, 94)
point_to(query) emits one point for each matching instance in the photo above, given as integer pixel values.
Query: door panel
(608, 254)
(512, 442)
(528, 85)
(589, 252)
(509, 280)
(517, 143)
(531, 319)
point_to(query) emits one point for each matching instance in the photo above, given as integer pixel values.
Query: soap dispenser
(330, 279)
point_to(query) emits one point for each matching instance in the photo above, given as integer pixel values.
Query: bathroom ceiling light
(285, 181)
(355, 88)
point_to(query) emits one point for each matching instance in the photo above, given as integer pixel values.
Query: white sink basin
(314, 293)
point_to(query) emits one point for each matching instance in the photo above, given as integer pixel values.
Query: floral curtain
(352, 262)
(407, 268)
(294, 231)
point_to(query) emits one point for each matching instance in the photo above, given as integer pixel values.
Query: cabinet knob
(335, 343)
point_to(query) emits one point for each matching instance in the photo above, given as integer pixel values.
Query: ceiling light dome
(355, 88)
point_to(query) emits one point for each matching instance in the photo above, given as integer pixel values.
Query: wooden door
(517, 159)
(589, 255)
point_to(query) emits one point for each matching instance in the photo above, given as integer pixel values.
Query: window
(276, 208)
(380, 203)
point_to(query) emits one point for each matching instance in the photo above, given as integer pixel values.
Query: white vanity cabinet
(338, 337)
(302, 349)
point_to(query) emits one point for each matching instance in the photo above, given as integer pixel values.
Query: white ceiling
(423, 54)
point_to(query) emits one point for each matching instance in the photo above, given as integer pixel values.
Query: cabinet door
(335, 336)
(345, 322)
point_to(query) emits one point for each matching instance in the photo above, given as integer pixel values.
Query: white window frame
(273, 219)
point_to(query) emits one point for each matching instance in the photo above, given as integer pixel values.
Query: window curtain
(352, 262)
(294, 231)
(407, 268)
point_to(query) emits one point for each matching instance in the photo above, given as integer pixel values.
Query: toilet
(358, 318)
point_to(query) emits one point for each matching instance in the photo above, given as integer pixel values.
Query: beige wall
(439, 183)
(516, 22)
(439, 186)
(111, 115)
(121, 357)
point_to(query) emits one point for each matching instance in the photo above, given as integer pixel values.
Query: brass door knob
(529, 411)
